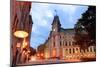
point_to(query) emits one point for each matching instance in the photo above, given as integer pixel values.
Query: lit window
(54, 52)
(38, 54)
(41, 54)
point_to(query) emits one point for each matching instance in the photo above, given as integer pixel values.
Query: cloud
(70, 10)
(49, 14)
(43, 14)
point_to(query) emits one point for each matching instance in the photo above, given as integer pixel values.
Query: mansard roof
(71, 31)
(68, 30)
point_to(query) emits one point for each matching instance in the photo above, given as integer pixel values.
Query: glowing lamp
(21, 34)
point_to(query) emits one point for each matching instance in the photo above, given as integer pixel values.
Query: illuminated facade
(20, 20)
(62, 45)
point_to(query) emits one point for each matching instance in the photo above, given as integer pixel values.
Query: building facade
(62, 45)
(20, 20)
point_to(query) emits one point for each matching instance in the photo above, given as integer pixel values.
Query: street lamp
(20, 34)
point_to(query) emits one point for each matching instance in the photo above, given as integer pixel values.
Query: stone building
(62, 45)
(20, 20)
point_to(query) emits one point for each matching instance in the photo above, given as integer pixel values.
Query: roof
(69, 30)
(56, 20)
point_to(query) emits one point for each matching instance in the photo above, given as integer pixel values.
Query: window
(53, 44)
(60, 43)
(90, 49)
(60, 37)
(73, 50)
(76, 48)
(69, 50)
(66, 50)
(66, 43)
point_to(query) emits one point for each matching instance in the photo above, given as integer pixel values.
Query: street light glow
(21, 34)
(24, 45)
(42, 54)
(33, 58)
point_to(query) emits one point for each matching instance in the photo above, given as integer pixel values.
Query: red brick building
(20, 19)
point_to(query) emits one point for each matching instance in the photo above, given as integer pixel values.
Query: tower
(56, 24)
(54, 46)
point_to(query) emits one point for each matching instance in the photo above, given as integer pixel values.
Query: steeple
(56, 22)
(56, 18)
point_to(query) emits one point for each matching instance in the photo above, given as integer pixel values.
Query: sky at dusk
(43, 15)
